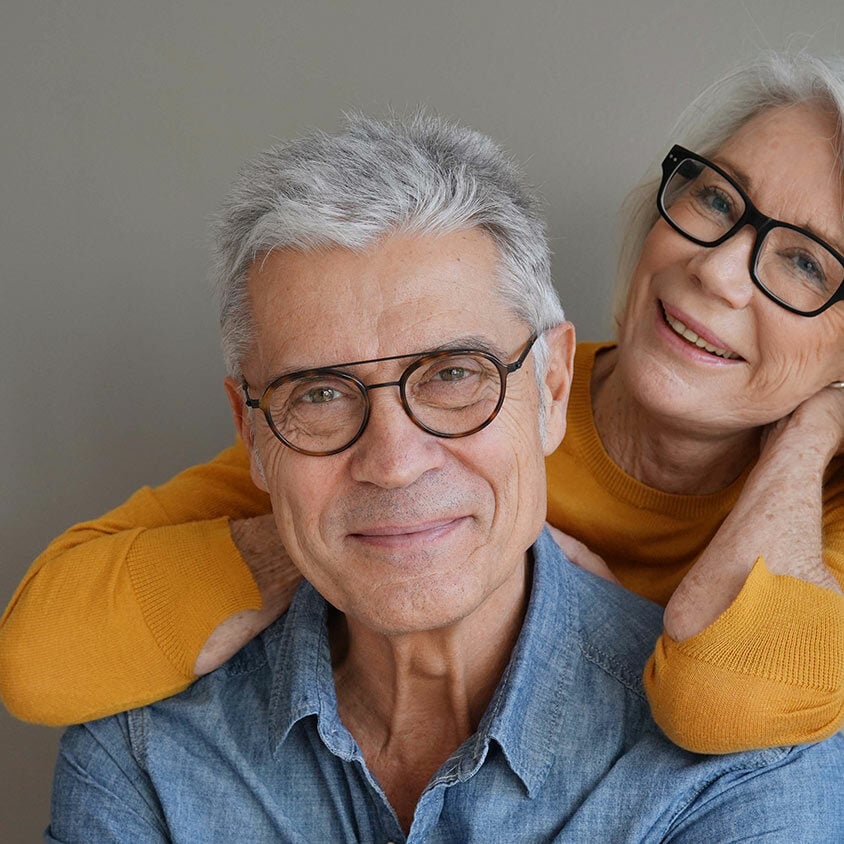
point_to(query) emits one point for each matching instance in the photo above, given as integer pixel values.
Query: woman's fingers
(581, 556)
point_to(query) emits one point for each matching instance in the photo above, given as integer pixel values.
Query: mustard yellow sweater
(138, 591)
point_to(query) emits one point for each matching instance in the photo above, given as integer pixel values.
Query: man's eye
(451, 373)
(320, 395)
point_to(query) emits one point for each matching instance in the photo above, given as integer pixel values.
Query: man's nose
(724, 271)
(393, 451)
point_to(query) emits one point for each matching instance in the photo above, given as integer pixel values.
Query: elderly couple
(401, 377)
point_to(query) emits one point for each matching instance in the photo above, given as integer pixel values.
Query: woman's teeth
(688, 334)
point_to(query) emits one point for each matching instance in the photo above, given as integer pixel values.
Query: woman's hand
(817, 424)
(277, 578)
(580, 555)
(778, 517)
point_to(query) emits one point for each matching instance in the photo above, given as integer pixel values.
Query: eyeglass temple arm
(253, 403)
(518, 364)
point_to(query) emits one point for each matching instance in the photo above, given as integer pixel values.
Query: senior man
(399, 366)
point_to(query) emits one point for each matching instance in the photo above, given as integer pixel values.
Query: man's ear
(243, 425)
(561, 343)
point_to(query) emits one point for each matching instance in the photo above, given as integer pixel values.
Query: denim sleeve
(100, 793)
(796, 798)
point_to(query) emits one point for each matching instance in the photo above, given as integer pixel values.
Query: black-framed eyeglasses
(323, 411)
(790, 265)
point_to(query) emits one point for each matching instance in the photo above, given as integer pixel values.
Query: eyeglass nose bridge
(753, 217)
(762, 224)
(365, 390)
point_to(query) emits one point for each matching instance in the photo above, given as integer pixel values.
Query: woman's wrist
(259, 544)
(814, 431)
(276, 577)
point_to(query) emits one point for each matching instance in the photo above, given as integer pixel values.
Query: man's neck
(410, 700)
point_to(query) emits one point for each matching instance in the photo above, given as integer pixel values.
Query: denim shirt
(567, 750)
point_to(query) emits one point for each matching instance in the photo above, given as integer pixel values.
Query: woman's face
(759, 361)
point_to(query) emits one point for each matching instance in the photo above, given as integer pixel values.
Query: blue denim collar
(303, 680)
(530, 701)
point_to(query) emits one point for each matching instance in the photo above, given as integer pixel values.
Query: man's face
(403, 531)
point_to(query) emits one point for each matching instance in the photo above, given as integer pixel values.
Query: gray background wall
(122, 124)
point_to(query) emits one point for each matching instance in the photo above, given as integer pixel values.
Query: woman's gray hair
(418, 176)
(774, 79)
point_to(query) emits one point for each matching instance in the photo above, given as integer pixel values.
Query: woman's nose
(724, 270)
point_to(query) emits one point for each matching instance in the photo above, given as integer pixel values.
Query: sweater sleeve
(113, 614)
(769, 671)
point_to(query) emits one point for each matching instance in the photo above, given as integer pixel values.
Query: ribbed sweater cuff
(778, 628)
(189, 578)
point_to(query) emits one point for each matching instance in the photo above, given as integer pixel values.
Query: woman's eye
(715, 199)
(806, 265)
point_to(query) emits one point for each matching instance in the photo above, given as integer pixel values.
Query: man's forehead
(405, 295)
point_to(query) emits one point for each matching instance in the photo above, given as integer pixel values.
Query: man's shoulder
(779, 794)
(264, 682)
(222, 708)
(611, 626)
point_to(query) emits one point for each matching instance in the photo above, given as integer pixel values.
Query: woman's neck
(660, 451)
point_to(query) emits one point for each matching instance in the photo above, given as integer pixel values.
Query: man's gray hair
(774, 79)
(419, 176)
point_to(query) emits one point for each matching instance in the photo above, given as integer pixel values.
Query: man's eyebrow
(470, 342)
(474, 342)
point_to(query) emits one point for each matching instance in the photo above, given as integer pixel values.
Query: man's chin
(432, 592)
(415, 611)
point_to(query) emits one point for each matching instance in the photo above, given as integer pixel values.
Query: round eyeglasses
(323, 411)
(790, 265)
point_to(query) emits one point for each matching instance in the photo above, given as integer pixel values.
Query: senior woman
(704, 446)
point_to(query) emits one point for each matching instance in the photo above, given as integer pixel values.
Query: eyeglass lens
(449, 395)
(797, 269)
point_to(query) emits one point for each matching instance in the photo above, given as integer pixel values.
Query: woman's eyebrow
(747, 185)
(736, 172)
(833, 242)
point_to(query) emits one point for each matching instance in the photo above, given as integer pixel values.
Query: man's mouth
(690, 336)
(390, 535)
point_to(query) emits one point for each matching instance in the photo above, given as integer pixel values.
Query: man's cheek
(301, 523)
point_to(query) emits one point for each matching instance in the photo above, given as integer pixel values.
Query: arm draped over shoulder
(113, 614)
